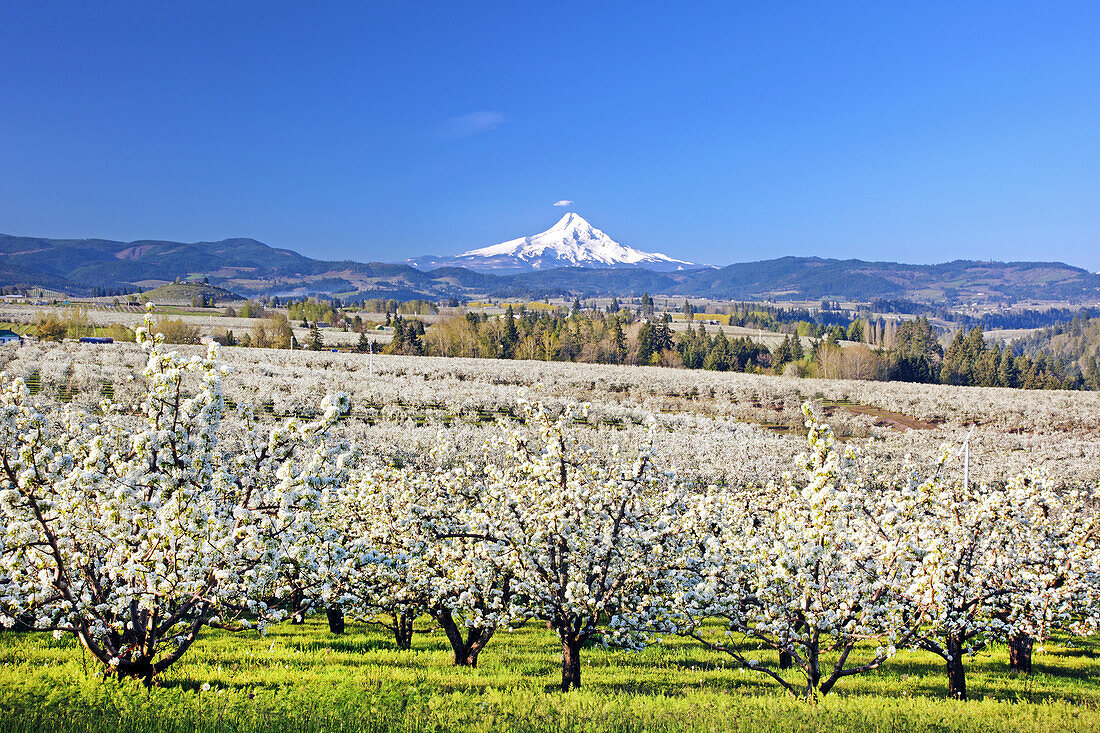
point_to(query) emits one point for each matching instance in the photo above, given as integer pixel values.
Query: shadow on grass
(343, 645)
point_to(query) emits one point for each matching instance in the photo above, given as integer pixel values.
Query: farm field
(302, 678)
(208, 321)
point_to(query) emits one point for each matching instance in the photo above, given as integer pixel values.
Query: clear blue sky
(715, 132)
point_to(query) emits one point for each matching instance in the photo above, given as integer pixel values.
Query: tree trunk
(570, 661)
(813, 667)
(297, 616)
(403, 630)
(142, 669)
(465, 650)
(956, 673)
(335, 619)
(1019, 653)
(476, 640)
(786, 659)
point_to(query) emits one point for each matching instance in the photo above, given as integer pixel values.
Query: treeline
(622, 338)
(343, 313)
(1076, 342)
(101, 292)
(337, 311)
(1052, 317)
(74, 323)
(800, 321)
(969, 360)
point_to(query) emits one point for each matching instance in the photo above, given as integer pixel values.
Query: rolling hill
(251, 268)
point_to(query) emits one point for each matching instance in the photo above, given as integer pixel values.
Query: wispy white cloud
(471, 124)
(563, 202)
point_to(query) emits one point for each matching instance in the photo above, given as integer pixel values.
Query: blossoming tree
(809, 572)
(1002, 563)
(586, 537)
(1056, 545)
(135, 531)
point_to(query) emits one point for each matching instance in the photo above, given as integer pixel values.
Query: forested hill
(250, 267)
(1075, 342)
(961, 280)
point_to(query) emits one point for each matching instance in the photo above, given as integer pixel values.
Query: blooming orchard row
(134, 530)
(708, 422)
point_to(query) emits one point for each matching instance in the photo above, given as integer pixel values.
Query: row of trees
(1076, 341)
(75, 323)
(907, 350)
(621, 338)
(98, 292)
(594, 337)
(134, 538)
(970, 361)
(338, 312)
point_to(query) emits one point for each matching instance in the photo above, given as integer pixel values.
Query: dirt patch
(895, 420)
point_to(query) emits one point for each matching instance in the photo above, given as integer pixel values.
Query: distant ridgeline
(248, 267)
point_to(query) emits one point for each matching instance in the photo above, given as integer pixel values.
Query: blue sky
(715, 132)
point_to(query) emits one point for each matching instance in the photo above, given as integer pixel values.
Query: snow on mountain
(572, 242)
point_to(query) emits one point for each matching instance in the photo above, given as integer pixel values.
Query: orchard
(136, 528)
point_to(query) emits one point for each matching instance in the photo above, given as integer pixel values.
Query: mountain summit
(572, 242)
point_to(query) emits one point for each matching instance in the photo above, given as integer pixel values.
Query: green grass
(301, 678)
(19, 328)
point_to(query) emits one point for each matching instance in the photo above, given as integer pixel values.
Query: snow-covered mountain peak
(571, 221)
(572, 242)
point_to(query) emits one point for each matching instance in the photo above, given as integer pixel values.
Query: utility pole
(966, 458)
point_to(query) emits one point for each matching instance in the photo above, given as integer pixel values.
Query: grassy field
(302, 678)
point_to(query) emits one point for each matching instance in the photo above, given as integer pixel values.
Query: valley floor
(302, 678)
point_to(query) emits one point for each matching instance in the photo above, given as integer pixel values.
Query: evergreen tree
(916, 353)
(855, 331)
(413, 343)
(956, 367)
(662, 334)
(646, 347)
(797, 353)
(398, 341)
(1092, 371)
(1007, 374)
(718, 357)
(782, 354)
(618, 339)
(316, 340)
(986, 370)
(510, 339)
